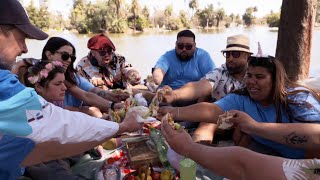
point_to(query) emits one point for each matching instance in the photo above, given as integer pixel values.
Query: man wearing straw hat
(217, 83)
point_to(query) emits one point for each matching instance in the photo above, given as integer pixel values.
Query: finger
(167, 127)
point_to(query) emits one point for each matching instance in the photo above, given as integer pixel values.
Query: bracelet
(112, 106)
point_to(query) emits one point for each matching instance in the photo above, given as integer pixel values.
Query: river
(143, 49)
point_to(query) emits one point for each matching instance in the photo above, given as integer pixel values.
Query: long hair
(52, 45)
(280, 82)
(36, 69)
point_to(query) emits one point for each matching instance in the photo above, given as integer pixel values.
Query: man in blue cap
(31, 129)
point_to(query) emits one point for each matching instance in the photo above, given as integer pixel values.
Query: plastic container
(187, 169)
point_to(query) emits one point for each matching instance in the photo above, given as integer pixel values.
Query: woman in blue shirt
(264, 108)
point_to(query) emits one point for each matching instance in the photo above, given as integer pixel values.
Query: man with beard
(217, 83)
(186, 63)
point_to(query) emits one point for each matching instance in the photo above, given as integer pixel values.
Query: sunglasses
(104, 52)
(266, 61)
(235, 54)
(65, 56)
(181, 46)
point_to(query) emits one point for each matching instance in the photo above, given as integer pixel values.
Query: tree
(220, 14)
(193, 5)
(38, 17)
(318, 12)
(273, 19)
(134, 9)
(206, 16)
(168, 13)
(248, 17)
(295, 37)
(184, 19)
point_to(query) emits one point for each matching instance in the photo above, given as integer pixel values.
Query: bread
(223, 121)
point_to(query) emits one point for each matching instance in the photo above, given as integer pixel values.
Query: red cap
(100, 42)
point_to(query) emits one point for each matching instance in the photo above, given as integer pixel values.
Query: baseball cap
(100, 41)
(12, 13)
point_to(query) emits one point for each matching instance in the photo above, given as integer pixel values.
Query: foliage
(38, 17)
(318, 12)
(220, 14)
(248, 17)
(206, 16)
(273, 19)
(184, 19)
(173, 24)
(118, 26)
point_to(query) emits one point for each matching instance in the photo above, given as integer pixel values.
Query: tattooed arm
(300, 135)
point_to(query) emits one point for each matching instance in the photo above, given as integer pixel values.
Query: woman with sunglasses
(275, 112)
(79, 90)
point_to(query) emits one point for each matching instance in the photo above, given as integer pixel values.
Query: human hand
(96, 81)
(130, 123)
(118, 96)
(179, 141)
(169, 96)
(243, 121)
(133, 77)
(163, 110)
(119, 105)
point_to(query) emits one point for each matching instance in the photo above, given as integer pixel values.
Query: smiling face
(57, 55)
(54, 89)
(259, 84)
(12, 45)
(185, 47)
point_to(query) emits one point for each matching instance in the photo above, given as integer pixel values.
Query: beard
(236, 69)
(185, 57)
(5, 66)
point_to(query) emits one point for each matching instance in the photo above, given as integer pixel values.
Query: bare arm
(299, 135)
(158, 75)
(89, 98)
(200, 112)
(230, 162)
(193, 90)
(237, 162)
(51, 148)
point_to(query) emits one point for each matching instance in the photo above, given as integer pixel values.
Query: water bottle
(161, 146)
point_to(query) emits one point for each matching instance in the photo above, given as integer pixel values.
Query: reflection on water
(143, 49)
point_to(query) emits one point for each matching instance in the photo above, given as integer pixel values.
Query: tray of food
(140, 154)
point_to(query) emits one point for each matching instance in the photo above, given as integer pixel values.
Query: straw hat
(238, 42)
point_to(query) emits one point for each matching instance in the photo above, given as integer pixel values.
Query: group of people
(43, 103)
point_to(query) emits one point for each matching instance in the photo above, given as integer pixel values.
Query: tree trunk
(295, 37)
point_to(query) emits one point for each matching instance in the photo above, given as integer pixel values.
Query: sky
(230, 6)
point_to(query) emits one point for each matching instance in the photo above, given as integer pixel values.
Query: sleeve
(53, 123)
(303, 107)
(83, 83)
(229, 102)
(213, 77)
(163, 63)
(206, 64)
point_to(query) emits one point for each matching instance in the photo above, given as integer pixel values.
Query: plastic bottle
(161, 146)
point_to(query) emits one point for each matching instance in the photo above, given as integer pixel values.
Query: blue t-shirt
(304, 109)
(178, 73)
(13, 150)
(83, 84)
